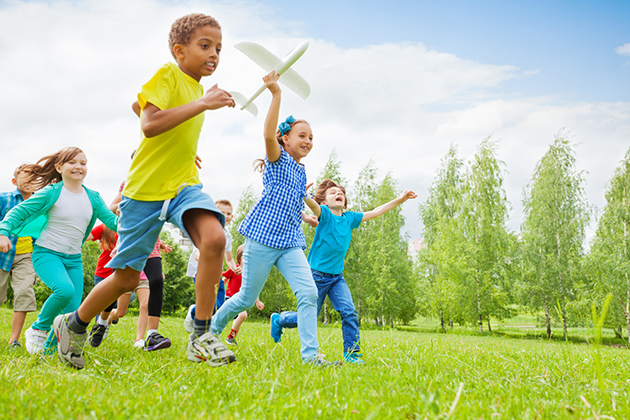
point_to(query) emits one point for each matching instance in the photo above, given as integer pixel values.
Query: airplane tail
(241, 99)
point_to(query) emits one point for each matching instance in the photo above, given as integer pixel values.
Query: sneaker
(156, 342)
(189, 321)
(35, 340)
(323, 363)
(231, 341)
(70, 344)
(276, 328)
(15, 345)
(209, 349)
(98, 334)
(139, 343)
(353, 357)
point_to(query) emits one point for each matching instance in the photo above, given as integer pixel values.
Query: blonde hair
(44, 172)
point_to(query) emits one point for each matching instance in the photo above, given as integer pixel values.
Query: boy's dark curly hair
(183, 28)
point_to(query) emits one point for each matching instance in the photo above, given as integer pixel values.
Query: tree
(610, 252)
(443, 262)
(485, 212)
(556, 214)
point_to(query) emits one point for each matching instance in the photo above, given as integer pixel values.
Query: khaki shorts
(23, 279)
(144, 284)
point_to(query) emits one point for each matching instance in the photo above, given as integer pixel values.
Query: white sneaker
(189, 321)
(209, 349)
(139, 343)
(35, 340)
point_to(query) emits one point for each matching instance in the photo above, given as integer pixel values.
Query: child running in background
(326, 258)
(163, 185)
(234, 281)
(226, 208)
(272, 229)
(71, 210)
(17, 262)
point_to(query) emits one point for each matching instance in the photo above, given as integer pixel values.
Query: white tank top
(68, 220)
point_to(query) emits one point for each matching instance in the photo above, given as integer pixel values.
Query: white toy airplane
(268, 61)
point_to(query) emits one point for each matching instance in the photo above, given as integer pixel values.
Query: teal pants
(63, 273)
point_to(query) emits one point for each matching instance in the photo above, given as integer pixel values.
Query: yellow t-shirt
(24, 245)
(166, 162)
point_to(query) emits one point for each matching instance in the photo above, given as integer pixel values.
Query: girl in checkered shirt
(273, 228)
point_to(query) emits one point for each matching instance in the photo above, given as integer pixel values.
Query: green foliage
(556, 214)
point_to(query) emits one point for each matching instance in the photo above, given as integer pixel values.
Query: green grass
(407, 375)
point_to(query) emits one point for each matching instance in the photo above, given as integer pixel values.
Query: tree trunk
(391, 321)
(547, 320)
(450, 323)
(442, 319)
(489, 326)
(325, 315)
(377, 321)
(564, 324)
(480, 323)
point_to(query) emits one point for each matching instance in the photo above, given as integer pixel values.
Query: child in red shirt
(233, 282)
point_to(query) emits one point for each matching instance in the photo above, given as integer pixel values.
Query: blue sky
(396, 82)
(571, 43)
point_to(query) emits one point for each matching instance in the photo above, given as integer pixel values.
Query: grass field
(408, 374)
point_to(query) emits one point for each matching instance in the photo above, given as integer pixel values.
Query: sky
(397, 82)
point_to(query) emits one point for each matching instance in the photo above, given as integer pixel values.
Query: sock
(149, 332)
(201, 326)
(233, 333)
(101, 321)
(76, 325)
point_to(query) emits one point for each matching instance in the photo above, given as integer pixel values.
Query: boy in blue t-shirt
(326, 257)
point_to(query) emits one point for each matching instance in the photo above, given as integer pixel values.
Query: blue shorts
(139, 225)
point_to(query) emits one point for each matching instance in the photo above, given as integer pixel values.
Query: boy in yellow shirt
(163, 185)
(17, 262)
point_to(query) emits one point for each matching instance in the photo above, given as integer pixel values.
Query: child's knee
(307, 295)
(243, 316)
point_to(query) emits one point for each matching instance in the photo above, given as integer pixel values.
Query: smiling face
(200, 56)
(227, 212)
(73, 170)
(335, 198)
(299, 141)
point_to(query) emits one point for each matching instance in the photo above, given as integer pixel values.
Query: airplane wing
(268, 61)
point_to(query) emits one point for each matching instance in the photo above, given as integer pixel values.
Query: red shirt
(234, 282)
(105, 257)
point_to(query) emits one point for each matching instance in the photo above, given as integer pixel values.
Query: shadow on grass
(518, 335)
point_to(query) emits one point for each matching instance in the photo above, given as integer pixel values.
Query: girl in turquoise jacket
(60, 215)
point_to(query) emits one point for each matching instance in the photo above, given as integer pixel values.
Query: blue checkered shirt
(9, 200)
(276, 220)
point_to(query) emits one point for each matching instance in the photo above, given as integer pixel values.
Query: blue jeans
(335, 287)
(258, 259)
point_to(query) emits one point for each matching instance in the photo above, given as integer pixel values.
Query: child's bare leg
(236, 325)
(121, 310)
(207, 233)
(143, 300)
(17, 324)
(107, 291)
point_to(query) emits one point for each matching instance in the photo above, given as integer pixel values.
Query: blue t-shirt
(332, 240)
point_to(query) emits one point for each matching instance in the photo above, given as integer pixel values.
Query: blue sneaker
(276, 328)
(353, 357)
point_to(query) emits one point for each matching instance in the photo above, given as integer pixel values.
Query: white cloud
(623, 50)
(70, 71)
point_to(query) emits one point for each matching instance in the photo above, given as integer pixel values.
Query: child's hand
(259, 305)
(165, 248)
(216, 98)
(238, 270)
(5, 244)
(310, 219)
(198, 161)
(407, 195)
(271, 81)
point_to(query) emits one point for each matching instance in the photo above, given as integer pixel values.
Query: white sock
(150, 332)
(102, 321)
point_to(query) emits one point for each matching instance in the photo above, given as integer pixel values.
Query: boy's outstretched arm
(312, 204)
(156, 121)
(382, 209)
(272, 147)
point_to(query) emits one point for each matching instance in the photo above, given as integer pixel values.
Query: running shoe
(231, 341)
(276, 328)
(209, 349)
(156, 342)
(353, 357)
(189, 321)
(98, 334)
(70, 344)
(35, 340)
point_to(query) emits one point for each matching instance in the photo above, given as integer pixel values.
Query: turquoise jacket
(30, 217)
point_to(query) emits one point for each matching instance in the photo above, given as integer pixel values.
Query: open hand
(407, 195)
